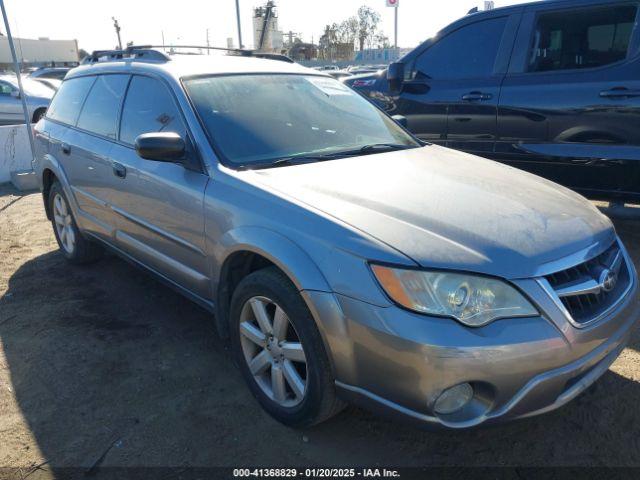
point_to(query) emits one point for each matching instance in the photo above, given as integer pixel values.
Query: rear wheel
(74, 246)
(279, 350)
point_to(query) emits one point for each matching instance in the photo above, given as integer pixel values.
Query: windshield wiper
(383, 147)
(301, 159)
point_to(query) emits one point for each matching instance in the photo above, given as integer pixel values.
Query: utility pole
(16, 66)
(239, 27)
(395, 28)
(208, 51)
(116, 25)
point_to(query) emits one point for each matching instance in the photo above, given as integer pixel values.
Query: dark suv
(550, 87)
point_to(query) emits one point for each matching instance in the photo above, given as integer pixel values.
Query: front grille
(582, 288)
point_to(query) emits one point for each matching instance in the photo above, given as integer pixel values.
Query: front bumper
(394, 361)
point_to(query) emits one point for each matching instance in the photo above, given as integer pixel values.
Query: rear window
(68, 101)
(100, 111)
(585, 38)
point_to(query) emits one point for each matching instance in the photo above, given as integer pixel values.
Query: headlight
(471, 299)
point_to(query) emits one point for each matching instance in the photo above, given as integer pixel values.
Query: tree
(348, 30)
(380, 40)
(368, 20)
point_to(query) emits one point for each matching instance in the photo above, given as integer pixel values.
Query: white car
(38, 97)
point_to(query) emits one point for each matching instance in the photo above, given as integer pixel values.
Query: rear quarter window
(100, 111)
(67, 102)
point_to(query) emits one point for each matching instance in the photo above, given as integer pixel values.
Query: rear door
(570, 104)
(454, 93)
(159, 205)
(86, 153)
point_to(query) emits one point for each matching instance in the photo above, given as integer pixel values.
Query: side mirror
(160, 146)
(395, 77)
(15, 93)
(400, 120)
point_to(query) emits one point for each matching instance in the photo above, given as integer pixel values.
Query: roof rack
(139, 52)
(152, 52)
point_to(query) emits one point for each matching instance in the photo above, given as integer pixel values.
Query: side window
(68, 100)
(149, 108)
(469, 52)
(584, 38)
(100, 111)
(5, 89)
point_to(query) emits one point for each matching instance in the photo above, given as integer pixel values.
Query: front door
(454, 94)
(159, 205)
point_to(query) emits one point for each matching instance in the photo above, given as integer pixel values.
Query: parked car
(52, 83)
(550, 87)
(37, 95)
(338, 74)
(343, 258)
(360, 69)
(56, 73)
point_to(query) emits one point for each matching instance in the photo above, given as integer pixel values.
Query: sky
(186, 21)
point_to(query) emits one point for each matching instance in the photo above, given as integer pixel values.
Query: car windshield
(261, 120)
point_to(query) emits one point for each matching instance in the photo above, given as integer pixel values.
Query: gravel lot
(104, 365)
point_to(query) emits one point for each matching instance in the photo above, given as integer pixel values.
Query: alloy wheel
(64, 224)
(273, 351)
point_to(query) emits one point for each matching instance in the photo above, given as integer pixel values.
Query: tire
(270, 288)
(38, 114)
(74, 246)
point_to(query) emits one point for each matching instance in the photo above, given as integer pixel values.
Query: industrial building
(39, 52)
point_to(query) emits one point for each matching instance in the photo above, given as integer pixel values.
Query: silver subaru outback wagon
(342, 259)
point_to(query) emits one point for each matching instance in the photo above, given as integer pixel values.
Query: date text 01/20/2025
(316, 472)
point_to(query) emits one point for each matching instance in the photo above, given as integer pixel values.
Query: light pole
(395, 28)
(16, 66)
(239, 27)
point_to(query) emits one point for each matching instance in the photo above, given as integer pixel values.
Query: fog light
(453, 399)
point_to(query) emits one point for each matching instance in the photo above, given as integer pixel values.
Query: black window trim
(633, 50)
(191, 144)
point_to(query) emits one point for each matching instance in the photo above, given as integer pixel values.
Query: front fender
(278, 249)
(305, 275)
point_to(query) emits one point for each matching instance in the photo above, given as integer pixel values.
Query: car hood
(446, 209)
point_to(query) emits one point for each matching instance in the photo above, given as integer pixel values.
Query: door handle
(476, 96)
(66, 149)
(119, 170)
(619, 92)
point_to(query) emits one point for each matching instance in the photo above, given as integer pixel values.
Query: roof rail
(138, 52)
(234, 51)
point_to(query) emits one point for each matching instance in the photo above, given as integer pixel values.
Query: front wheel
(74, 246)
(279, 350)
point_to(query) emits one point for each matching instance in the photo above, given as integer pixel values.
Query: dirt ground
(104, 365)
